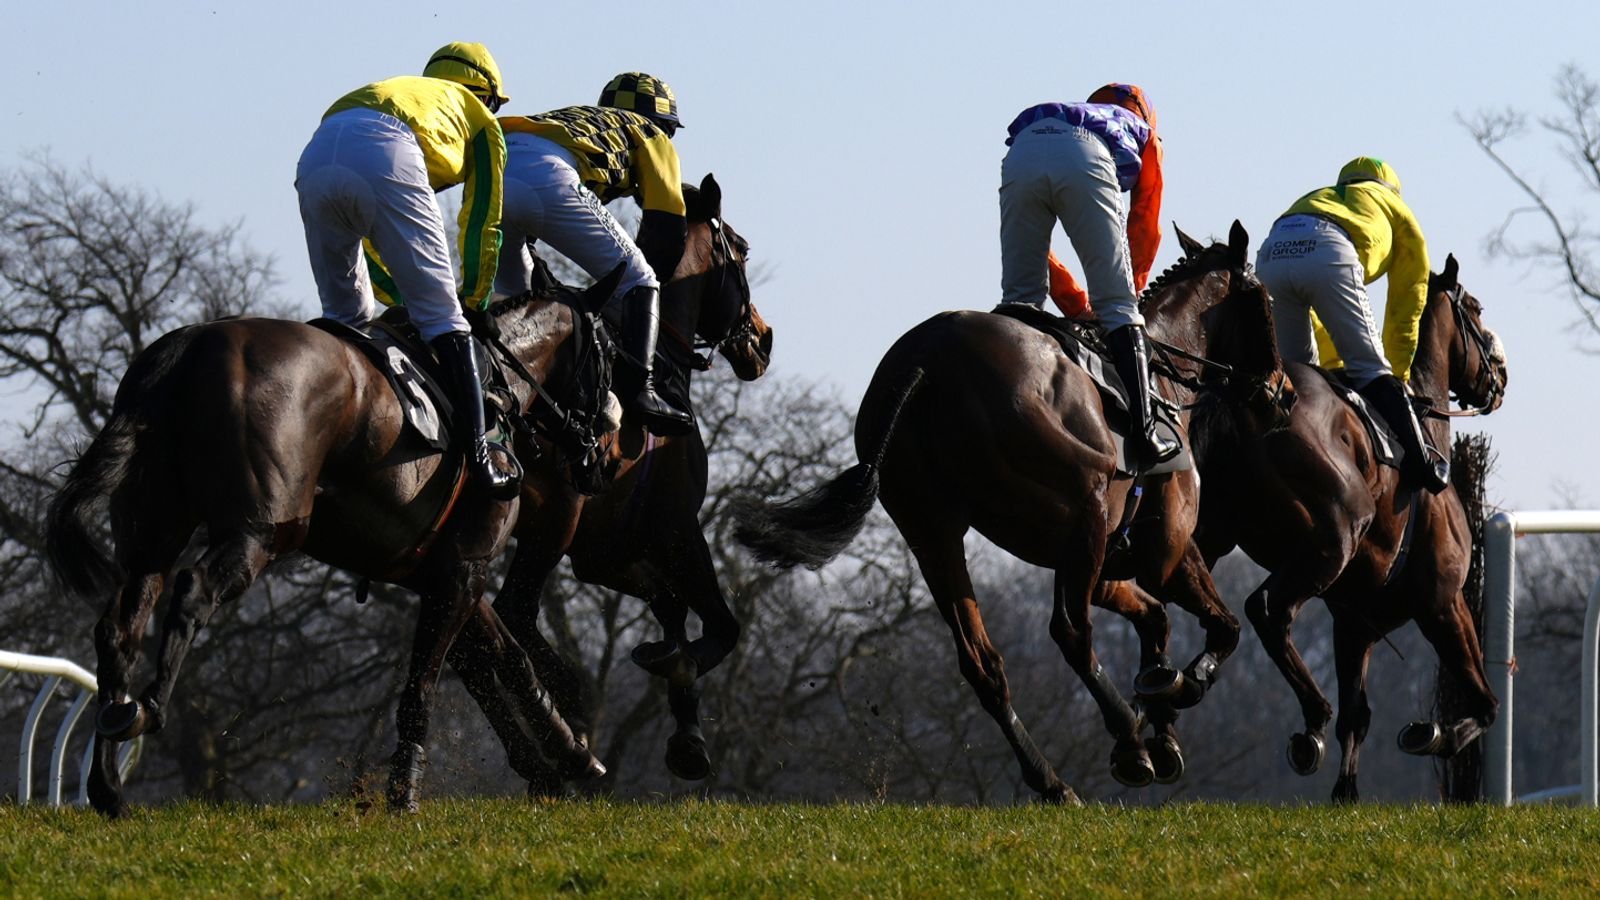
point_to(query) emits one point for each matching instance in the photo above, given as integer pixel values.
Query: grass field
(471, 848)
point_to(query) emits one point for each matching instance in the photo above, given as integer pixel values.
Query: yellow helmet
(1370, 168)
(471, 66)
(643, 94)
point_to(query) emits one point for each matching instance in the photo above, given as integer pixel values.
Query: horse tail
(814, 527)
(77, 556)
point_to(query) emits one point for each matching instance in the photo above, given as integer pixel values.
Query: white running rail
(1499, 606)
(55, 671)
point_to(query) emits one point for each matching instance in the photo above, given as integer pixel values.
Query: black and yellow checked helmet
(643, 94)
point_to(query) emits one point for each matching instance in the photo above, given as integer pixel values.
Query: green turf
(473, 848)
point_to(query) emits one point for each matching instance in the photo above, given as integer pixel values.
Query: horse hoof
(1166, 758)
(1421, 738)
(1344, 791)
(546, 787)
(687, 757)
(1190, 692)
(666, 659)
(406, 805)
(121, 721)
(582, 765)
(1306, 752)
(1132, 768)
(1060, 795)
(1159, 682)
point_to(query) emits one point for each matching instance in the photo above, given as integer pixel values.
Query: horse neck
(536, 333)
(1431, 366)
(680, 309)
(1235, 330)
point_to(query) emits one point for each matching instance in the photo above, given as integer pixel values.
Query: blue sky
(858, 144)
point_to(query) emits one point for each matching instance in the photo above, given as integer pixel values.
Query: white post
(1591, 699)
(1499, 626)
(57, 670)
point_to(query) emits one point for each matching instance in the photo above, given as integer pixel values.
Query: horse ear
(1191, 247)
(1451, 270)
(711, 196)
(1238, 243)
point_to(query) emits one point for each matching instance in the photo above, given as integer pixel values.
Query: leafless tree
(91, 272)
(1569, 241)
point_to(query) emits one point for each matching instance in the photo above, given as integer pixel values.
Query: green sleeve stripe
(479, 204)
(388, 293)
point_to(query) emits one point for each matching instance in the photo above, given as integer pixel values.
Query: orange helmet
(1128, 96)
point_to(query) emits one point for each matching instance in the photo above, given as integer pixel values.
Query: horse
(641, 535)
(277, 437)
(1307, 500)
(977, 420)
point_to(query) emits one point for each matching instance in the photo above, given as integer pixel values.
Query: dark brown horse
(1309, 502)
(277, 437)
(642, 534)
(976, 420)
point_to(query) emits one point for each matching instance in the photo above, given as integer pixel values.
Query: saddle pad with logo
(426, 406)
(1113, 393)
(1386, 446)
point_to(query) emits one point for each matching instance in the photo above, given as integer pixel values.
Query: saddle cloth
(1386, 446)
(427, 406)
(1071, 336)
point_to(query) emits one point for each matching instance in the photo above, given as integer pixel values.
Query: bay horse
(641, 535)
(1308, 501)
(977, 420)
(277, 437)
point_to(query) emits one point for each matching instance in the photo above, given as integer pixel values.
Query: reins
(1488, 384)
(744, 327)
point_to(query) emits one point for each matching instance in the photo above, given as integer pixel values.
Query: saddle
(392, 343)
(1386, 447)
(1084, 344)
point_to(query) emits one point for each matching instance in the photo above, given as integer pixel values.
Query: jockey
(1072, 162)
(370, 172)
(562, 167)
(1317, 261)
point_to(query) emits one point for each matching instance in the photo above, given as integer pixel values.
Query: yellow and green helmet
(471, 66)
(643, 94)
(1370, 168)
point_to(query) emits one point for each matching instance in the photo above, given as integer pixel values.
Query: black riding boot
(641, 315)
(1131, 357)
(1420, 467)
(461, 376)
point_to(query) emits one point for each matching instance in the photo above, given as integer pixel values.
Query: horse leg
(441, 618)
(479, 650)
(517, 606)
(1158, 680)
(944, 568)
(690, 579)
(473, 658)
(224, 572)
(1271, 610)
(1352, 650)
(1455, 640)
(1191, 588)
(488, 639)
(1073, 633)
(117, 636)
(686, 580)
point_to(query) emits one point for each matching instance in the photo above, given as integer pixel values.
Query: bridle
(743, 328)
(1270, 390)
(1488, 385)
